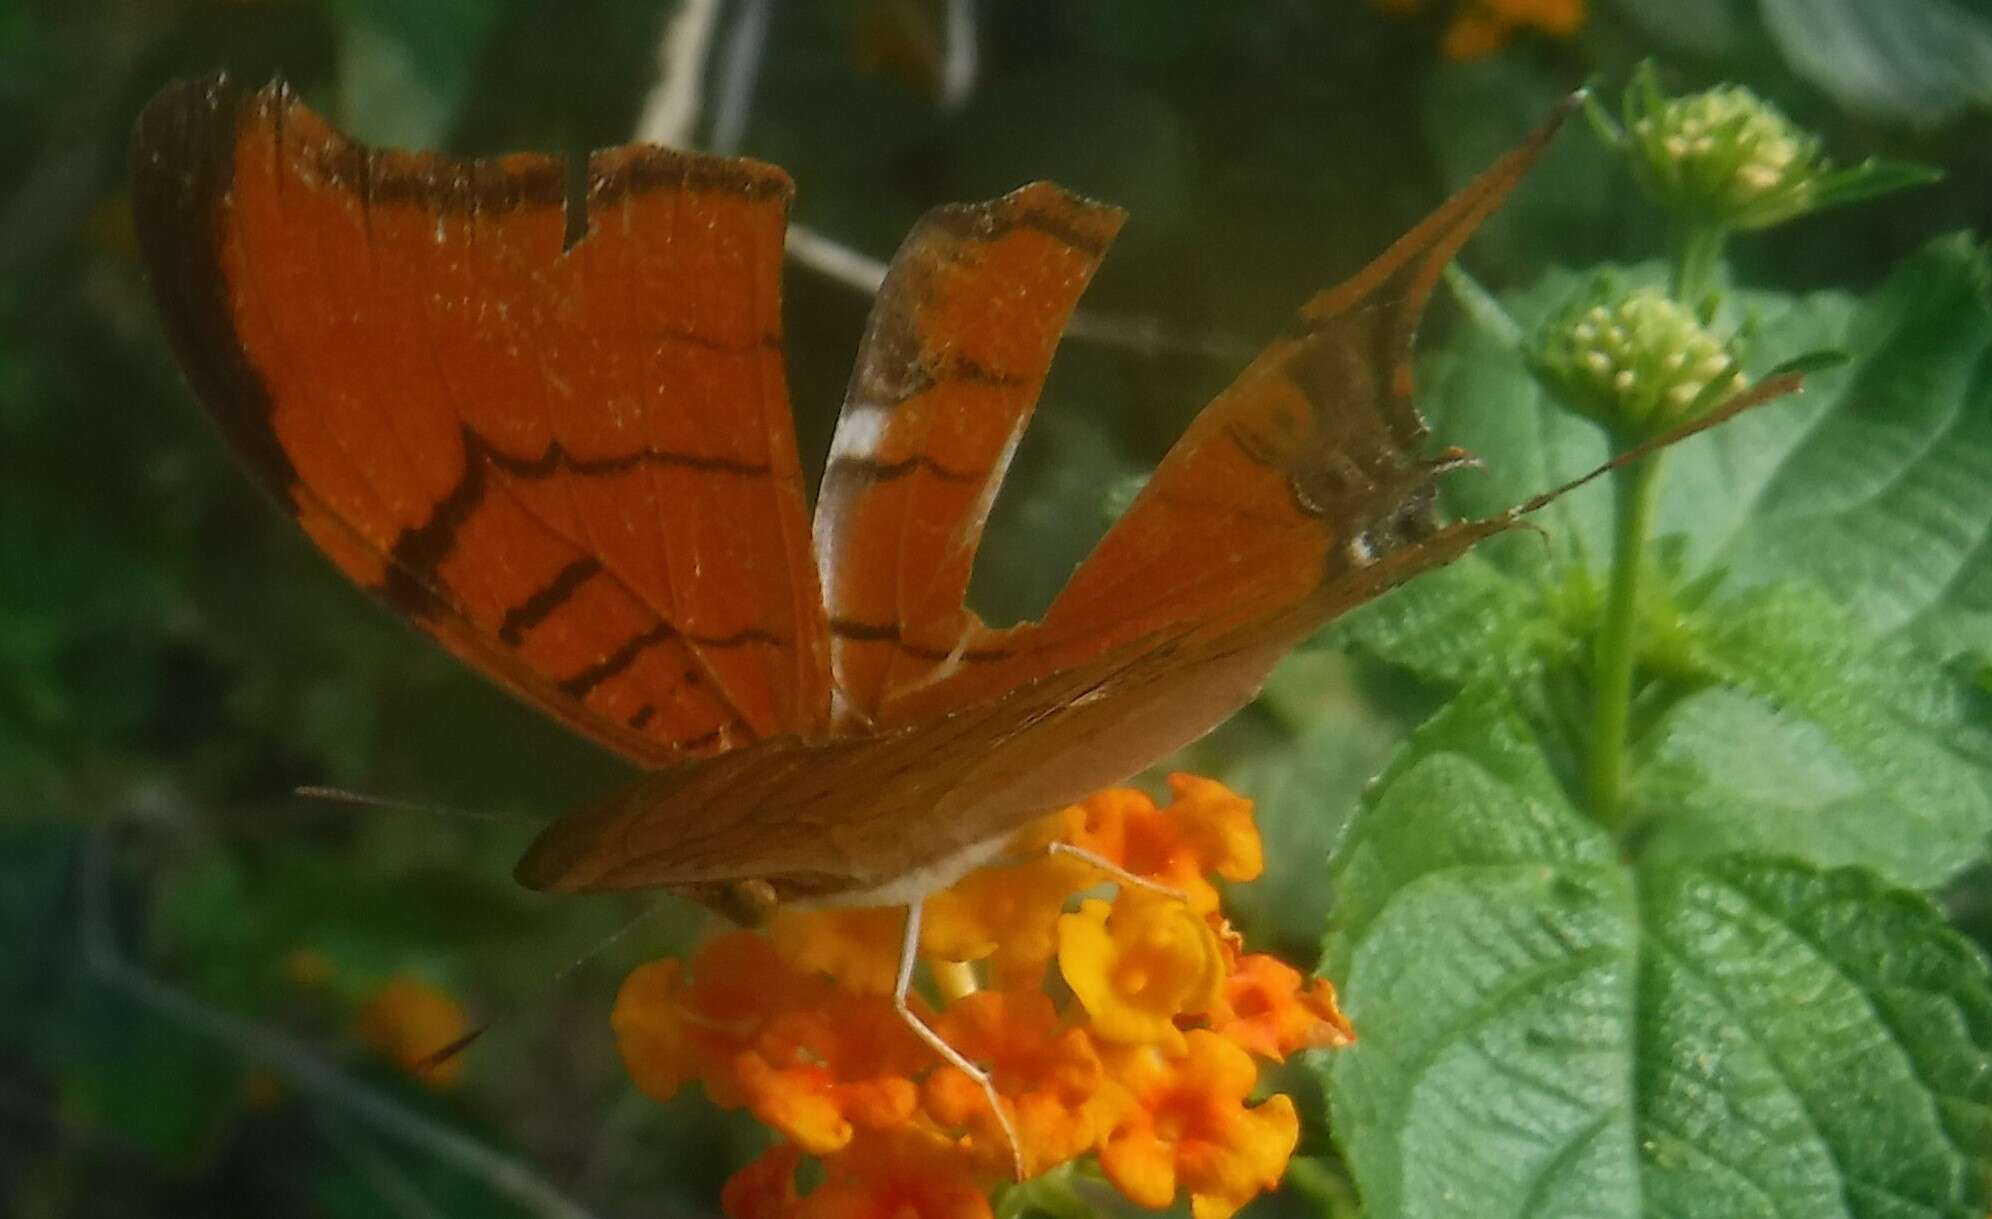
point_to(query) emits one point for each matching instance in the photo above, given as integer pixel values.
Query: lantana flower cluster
(1723, 156)
(1120, 1022)
(1634, 359)
(1726, 160)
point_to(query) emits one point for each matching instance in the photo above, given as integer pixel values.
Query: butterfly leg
(1116, 871)
(909, 955)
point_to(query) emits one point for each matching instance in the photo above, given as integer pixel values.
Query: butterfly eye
(1414, 520)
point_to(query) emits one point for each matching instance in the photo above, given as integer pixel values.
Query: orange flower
(407, 1021)
(1099, 822)
(1480, 27)
(1207, 828)
(808, 1103)
(1263, 1008)
(1139, 964)
(670, 1030)
(1212, 831)
(859, 948)
(1045, 1072)
(1183, 1125)
(652, 1032)
(908, 1173)
(816, 1074)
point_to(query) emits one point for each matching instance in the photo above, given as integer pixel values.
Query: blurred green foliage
(174, 659)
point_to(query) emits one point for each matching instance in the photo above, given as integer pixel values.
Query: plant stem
(1697, 250)
(1637, 487)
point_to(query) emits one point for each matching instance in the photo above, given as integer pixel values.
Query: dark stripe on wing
(537, 608)
(872, 470)
(888, 632)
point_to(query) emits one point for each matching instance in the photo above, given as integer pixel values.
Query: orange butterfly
(574, 465)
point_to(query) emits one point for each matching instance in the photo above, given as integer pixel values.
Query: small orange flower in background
(1479, 28)
(1129, 1029)
(407, 1021)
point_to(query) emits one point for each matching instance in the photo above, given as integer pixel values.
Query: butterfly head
(746, 903)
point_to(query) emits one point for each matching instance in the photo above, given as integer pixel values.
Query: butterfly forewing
(951, 364)
(575, 467)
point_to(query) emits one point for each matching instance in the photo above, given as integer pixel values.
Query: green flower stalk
(1636, 361)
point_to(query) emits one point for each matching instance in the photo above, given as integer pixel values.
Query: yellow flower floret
(1140, 963)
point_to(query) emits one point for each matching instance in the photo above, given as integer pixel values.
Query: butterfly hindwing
(575, 466)
(951, 364)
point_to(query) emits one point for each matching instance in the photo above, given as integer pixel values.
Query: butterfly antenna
(1767, 390)
(338, 795)
(451, 1050)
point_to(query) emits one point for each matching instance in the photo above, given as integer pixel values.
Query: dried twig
(681, 63)
(958, 54)
(738, 75)
(671, 112)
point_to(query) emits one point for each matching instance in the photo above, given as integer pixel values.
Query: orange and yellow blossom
(1182, 1123)
(1046, 1070)
(1478, 28)
(1144, 1058)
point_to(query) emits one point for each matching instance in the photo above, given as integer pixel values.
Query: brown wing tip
(638, 169)
(1071, 219)
(1090, 221)
(545, 865)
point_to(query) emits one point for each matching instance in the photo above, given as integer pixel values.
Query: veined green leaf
(1811, 744)
(1547, 1030)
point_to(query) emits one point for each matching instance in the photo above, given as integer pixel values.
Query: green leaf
(1913, 61)
(1887, 500)
(405, 68)
(1461, 621)
(1473, 789)
(1707, 29)
(1548, 1030)
(149, 1085)
(1304, 788)
(1811, 745)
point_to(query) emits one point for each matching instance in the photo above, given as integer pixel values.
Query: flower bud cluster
(1636, 361)
(1724, 158)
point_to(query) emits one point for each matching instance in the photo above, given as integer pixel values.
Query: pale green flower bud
(1724, 157)
(1727, 159)
(1634, 360)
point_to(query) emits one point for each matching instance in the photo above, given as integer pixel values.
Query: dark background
(174, 659)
